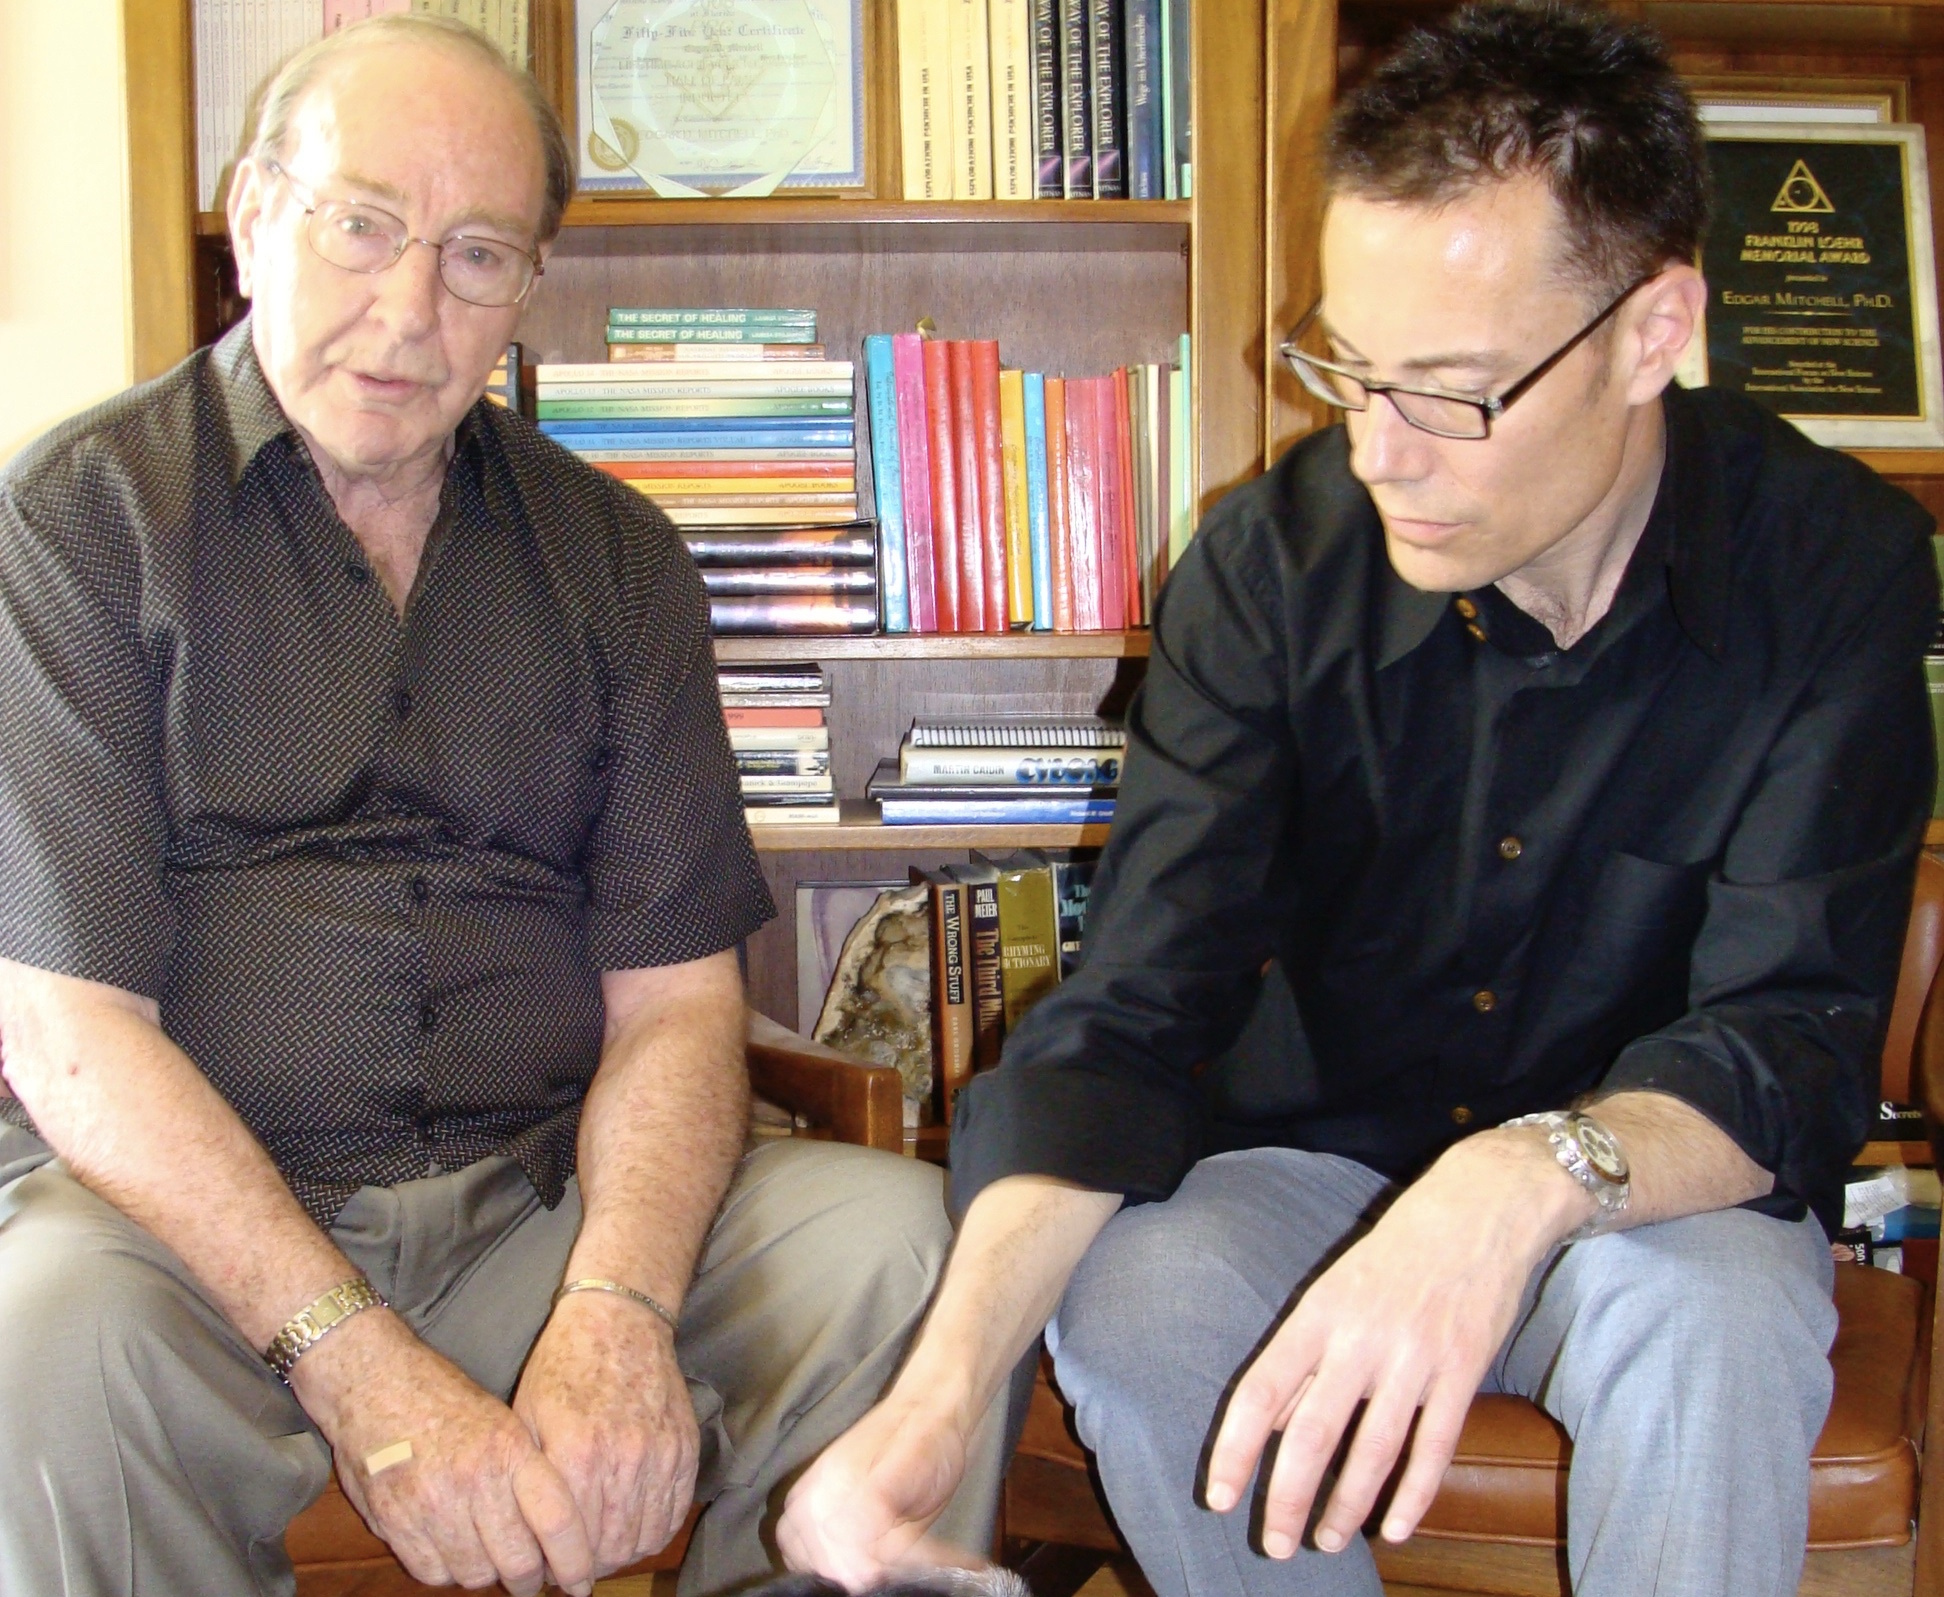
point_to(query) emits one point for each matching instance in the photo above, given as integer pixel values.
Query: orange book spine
(841, 469)
(984, 353)
(1059, 538)
(971, 529)
(944, 483)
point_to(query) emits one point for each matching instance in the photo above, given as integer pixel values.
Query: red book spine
(651, 470)
(1130, 485)
(971, 533)
(944, 484)
(914, 461)
(992, 478)
(1113, 559)
(1058, 538)
(1083, 500)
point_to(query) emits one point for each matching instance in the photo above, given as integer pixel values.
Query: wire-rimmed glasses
(367, 238)
(1440, 411)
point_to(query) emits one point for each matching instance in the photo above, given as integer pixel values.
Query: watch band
(1563, 1133)
(309, 1326)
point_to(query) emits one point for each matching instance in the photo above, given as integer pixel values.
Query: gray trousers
(146, 1449)
(1686, 1360)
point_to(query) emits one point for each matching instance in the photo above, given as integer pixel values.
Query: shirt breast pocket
(1634, 947)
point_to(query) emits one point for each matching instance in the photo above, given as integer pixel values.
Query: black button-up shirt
(372, 868)
(1492, 874)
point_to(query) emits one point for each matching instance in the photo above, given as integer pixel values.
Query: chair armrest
(860, 1103)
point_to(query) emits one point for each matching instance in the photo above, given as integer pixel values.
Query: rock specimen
(879, 1003)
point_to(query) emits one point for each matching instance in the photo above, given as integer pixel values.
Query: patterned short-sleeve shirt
(372, 868)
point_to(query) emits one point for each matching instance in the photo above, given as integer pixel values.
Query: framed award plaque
(1822, 287)
(719, 98)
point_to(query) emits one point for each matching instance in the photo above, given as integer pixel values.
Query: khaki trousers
(146, 1449)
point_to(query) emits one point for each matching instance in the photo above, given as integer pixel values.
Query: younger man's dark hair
(1554, 88)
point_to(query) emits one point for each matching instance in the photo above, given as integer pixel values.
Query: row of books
(737, 441)
(1045, 99)
(239, 44)
(1013, 499)
(1886, 1207)
(781, 739)
(1008, 770)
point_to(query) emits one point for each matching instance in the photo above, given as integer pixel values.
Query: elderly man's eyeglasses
(364, 238)
(1432, 410)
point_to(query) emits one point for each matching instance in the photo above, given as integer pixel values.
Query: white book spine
(1042, 768)
(1010, 33)
(802, 740)
(971, 118)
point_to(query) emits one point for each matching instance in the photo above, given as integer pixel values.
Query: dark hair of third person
(1560, 90)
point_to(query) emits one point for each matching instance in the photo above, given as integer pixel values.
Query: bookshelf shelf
(1902, 462)
(941, 646)
(861, 829)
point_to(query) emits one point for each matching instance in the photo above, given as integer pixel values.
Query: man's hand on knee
(603, 1398)
(1405, 1323)
(859, 1513)
(475, 1501)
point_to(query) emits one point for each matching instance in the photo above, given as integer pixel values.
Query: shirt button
(1466, 609)
(421, 890)
(402, 702)
(1461, 1116)
(1510, 848)
(357, 571)
(1484, 1000)
(1475, 630)
(428, 1018)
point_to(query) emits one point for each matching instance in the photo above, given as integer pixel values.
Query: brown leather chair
(1497, 1524)
(839, 1098)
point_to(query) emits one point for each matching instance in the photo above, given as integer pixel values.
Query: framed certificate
(719, 98)
(1822, 285)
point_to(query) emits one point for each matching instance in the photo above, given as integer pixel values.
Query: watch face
(1602, 1152)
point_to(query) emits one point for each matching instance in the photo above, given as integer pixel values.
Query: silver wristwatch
(310, 1326)
(1591, 1155)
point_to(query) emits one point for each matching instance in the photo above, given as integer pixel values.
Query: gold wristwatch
(310, 1326)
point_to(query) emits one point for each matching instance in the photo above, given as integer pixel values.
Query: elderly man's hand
(477, 1501)
(604, 1399)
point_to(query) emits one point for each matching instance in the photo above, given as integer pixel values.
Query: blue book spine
(887, 480)
(1001, 812)
(816, 438)
(646, 426)
(1145, 179)
(1038, 536)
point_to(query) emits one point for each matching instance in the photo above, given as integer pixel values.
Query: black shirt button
(421, 890)
(1510, 848)
(1484, 1000)
(402, 702)
(357, 571)
(1461, 1115)
(428, 1018)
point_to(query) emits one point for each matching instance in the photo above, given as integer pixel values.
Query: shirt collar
(256, 419)
(1689, 533)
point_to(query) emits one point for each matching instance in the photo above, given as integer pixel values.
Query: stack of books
(1004, 770)
(1013, 499)
(1045, 99)
(777, 727)
(788, 581)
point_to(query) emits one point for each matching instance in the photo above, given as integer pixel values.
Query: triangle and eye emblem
(1800, 192)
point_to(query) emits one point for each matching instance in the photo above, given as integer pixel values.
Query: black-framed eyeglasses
(1433, 410)
(366, 238)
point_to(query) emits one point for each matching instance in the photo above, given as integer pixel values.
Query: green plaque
(1821, 289)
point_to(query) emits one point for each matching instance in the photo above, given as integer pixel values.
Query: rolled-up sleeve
(1096, 1086)
(83, 827)
(1795, 965)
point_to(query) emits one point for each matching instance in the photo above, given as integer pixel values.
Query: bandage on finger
(388, 1458)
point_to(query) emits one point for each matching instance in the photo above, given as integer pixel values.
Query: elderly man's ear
(249, 188)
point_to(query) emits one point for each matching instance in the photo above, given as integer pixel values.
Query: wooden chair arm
(859, 1103)
(1927, 1087)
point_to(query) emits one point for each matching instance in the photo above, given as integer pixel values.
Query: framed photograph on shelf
(1822, 280)
(725, 99)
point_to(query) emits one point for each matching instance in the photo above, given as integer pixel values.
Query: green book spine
(1934, 675)
(600, 409)
(1029, 934)
(665, 333)
(678, 316)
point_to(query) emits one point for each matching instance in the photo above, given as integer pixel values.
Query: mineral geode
(879, 1003)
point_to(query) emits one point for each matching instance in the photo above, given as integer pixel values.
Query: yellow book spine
(971, 119)
(921, 102)
(824, 486)
(1011, 65)
(1012, 455)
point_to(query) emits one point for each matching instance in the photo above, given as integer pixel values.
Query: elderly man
(1560, 737)
(374, 872)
